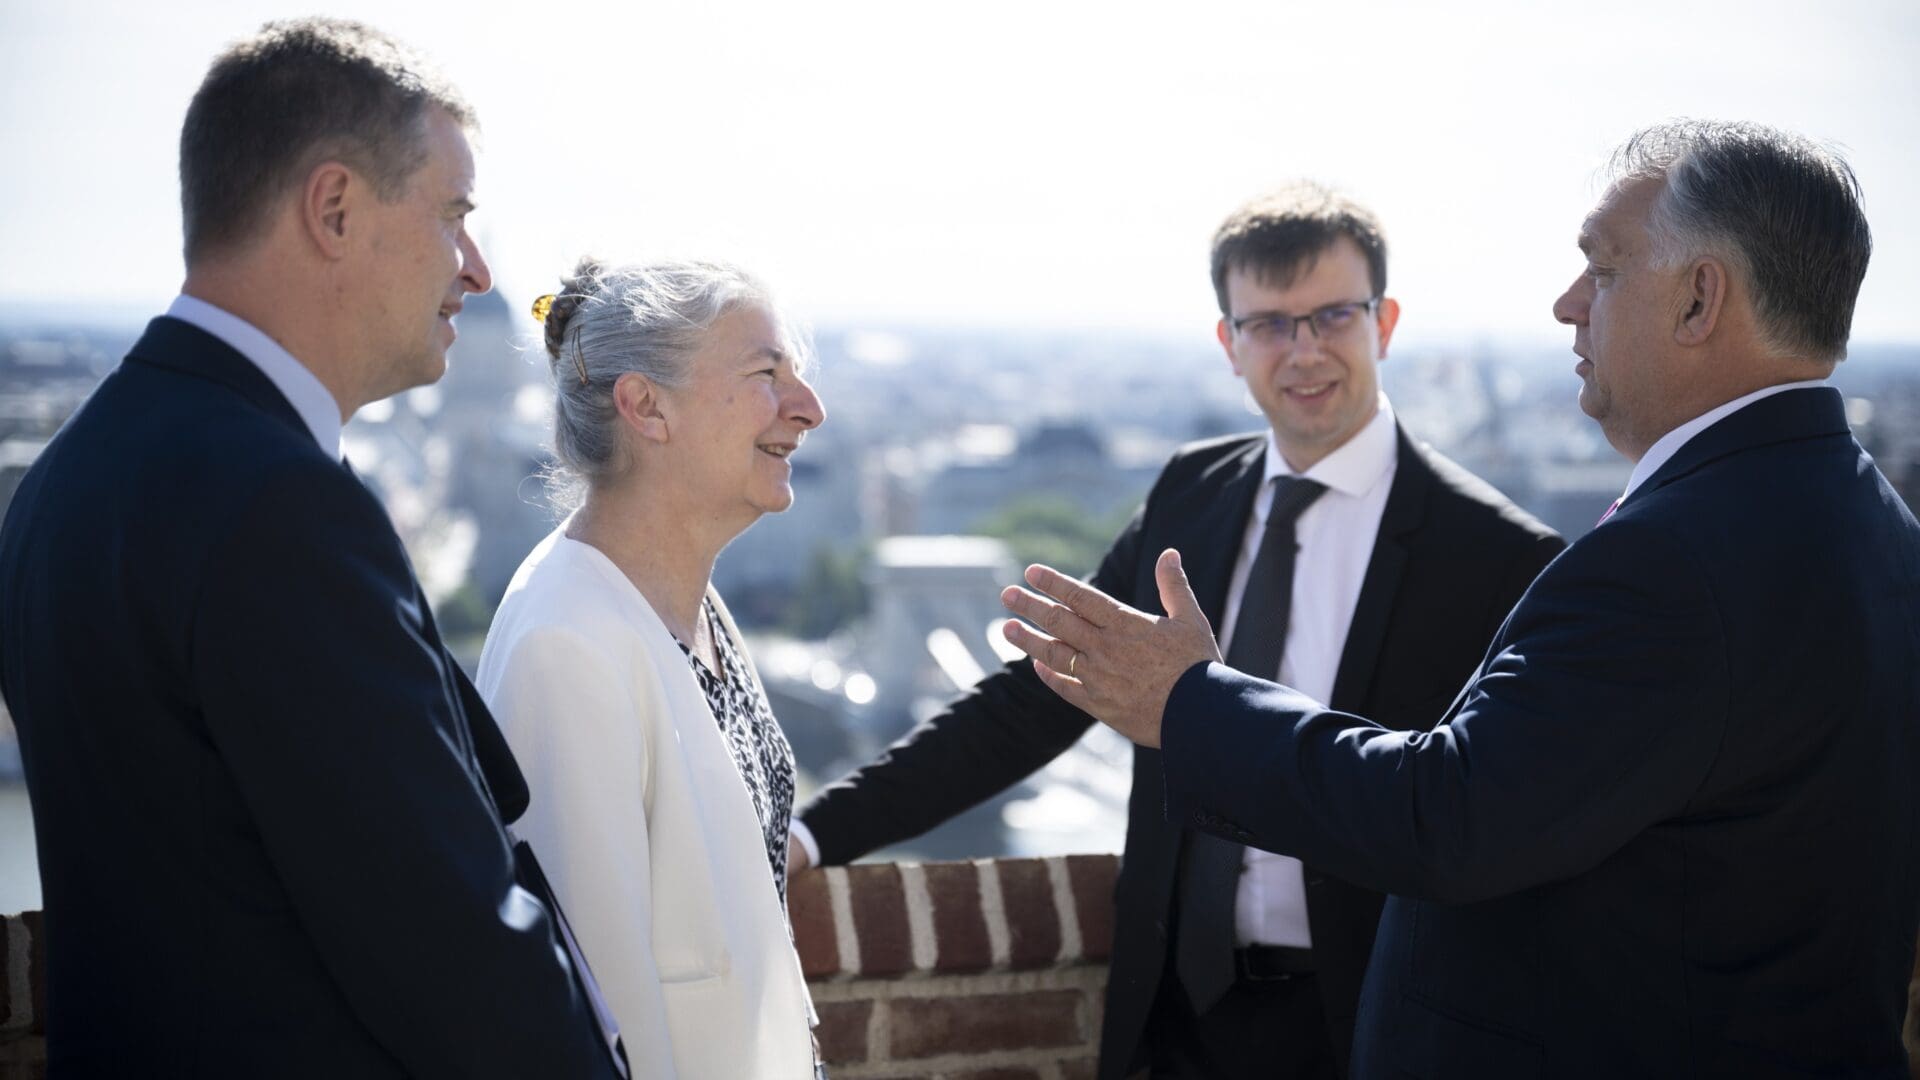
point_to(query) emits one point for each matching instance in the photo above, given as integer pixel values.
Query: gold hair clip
(542, 307)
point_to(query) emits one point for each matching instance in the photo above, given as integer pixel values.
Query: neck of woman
(666, 549)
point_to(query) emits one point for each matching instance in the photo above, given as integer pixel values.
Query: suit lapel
(1413, 482)
(1209, 541)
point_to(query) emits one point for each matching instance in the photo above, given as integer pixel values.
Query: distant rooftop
(944, 552)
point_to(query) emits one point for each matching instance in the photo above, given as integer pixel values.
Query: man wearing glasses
(1332, 551)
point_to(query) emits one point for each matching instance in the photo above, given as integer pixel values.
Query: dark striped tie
(1204, 938)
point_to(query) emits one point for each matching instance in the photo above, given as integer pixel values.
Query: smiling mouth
(779, 450)
(1310, 391)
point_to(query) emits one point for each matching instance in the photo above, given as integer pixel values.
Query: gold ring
(1070, 662)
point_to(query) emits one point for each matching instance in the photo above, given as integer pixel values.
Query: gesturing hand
(1111, 661)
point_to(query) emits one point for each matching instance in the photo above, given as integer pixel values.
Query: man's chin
(1591, 403)
(432, 369)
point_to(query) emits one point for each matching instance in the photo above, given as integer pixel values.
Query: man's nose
(475, 274)
(1571, 308)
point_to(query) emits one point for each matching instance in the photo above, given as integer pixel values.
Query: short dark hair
(1783, 211)
(1279, 235)
(295, 94)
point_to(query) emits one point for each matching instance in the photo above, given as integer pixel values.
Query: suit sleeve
(329, 700)
(1599, 712)
(577, 731)
(990, 738)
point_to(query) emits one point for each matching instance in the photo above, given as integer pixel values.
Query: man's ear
(637, 400)
(1389, 318)
(1224, 331)
(325, 200)
(1706, 296)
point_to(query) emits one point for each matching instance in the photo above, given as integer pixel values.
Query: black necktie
(1204, 938)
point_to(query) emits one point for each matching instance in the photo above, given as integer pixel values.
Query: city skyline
(1023, 167)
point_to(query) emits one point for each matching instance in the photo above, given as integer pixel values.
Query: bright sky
(989, 163)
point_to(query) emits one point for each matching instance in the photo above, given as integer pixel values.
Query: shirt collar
(1354, 467)
(1669, 444)
(302, 389)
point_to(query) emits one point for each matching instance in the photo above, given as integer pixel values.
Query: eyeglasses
(1274, 330)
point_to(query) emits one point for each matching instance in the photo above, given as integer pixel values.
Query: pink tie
(1610, 509)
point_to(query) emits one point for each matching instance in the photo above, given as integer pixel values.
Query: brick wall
(965, 970)
(986, 970)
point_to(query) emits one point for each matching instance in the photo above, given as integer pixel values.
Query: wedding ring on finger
(1071, 661)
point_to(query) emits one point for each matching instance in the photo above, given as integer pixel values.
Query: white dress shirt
(1336, 535)
(302, 389)
(1667, 445)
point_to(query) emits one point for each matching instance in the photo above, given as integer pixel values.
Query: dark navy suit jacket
(269, 805)
(1672, 827)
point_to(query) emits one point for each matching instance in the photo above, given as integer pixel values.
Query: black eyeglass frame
(1311, 319)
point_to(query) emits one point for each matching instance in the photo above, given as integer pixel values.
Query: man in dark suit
(270, 809)
(1671, 827)
(1386, 569)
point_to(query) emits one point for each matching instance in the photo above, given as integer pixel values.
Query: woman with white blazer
(662, 787)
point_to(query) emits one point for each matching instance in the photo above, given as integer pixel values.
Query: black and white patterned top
(759, 747)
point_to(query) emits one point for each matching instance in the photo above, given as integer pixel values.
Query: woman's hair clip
(542, 307)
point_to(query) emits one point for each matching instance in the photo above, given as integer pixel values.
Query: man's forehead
(1620, 217)
(1330, 266)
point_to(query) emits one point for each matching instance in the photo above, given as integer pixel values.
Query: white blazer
(641, 820)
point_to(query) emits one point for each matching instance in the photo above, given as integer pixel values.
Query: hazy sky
(989, 163)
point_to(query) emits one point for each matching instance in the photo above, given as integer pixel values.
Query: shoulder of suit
(1468, 498)
(199, 435)
(1205, 454)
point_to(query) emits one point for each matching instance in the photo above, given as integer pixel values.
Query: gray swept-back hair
(1781, 210)
(607, 321)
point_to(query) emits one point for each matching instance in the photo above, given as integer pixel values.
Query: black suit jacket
(1671, 829)
(1451, 556)
(269, 806)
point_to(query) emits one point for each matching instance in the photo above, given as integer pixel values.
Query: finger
(1176, 593)
(1072, 690)
(1045, 650)
(1089, 603)
(1051, 617)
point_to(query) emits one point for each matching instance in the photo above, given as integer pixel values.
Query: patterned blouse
(759, 747)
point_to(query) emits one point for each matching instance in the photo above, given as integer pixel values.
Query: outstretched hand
(1109, 660)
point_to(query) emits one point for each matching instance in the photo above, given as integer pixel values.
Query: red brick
(927, 1027)
(1033, 924)
(959, 928)
(812, 915)
(880, 919)
(843, 1030)
(1092, 879)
